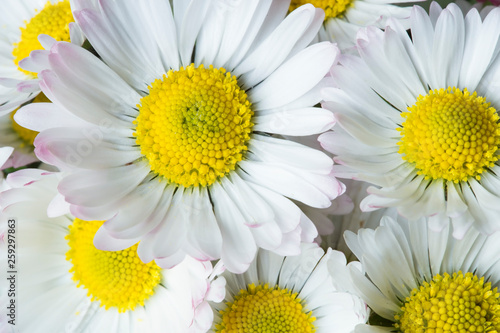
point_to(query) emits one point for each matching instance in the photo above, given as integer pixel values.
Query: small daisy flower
(179, 143)
(426, 281)
(294, 294)
(65, 284)
(418, 118)
(343, 18)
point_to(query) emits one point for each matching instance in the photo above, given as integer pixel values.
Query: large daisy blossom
(418, 117)
(343, 18)
(427, 281)
(63, 283)
(222, 81)
(294, 294)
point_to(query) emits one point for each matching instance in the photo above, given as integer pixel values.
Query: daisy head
(294, 294)
(418, 117)
(177, 136)
(65, 284)
(343, 18)
(419, 280)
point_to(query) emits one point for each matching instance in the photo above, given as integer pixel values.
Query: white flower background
(249, 166)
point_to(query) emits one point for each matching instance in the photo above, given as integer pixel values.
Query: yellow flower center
(450, 134)
(52, 20)
(28, 136)
(194, 125)
(264, 309)
(458, 303)
(115, 278)
(332, 8)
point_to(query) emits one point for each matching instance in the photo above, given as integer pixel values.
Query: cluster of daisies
(249, 166)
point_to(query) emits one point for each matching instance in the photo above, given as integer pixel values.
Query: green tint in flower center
(194, 125)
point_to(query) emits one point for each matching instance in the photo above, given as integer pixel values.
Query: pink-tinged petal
(203, 318)
(217, 290)
(24, 177)
(42, 116)
(46, 41)
(140, 211)
(19, 159)
(29, 86)
(37, 61)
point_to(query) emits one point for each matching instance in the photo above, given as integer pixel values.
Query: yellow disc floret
(28, 136)
(264, 309)
(115, 278)
(332, 8)
(459, 303)
(194, 125)
(450, 134)
(52, 20)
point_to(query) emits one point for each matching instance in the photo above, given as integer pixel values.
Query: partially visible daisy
(294, 294)
(27, 26)
(179, 142)
(420, 280)
(418, 118)
(65, 284)
(343, 18)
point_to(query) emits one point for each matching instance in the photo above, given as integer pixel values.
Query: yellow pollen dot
(28, 136)
(52, 20)
(264, 309)
(117, 279)
(459, 303)
(450, 134)
(194, 125)
(332, 8)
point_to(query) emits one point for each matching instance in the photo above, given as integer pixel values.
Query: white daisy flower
(426, 281)
(343, 18)
(21, 24)
(418, 118)
(294, 294)
(178, 145)
(65, 284)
